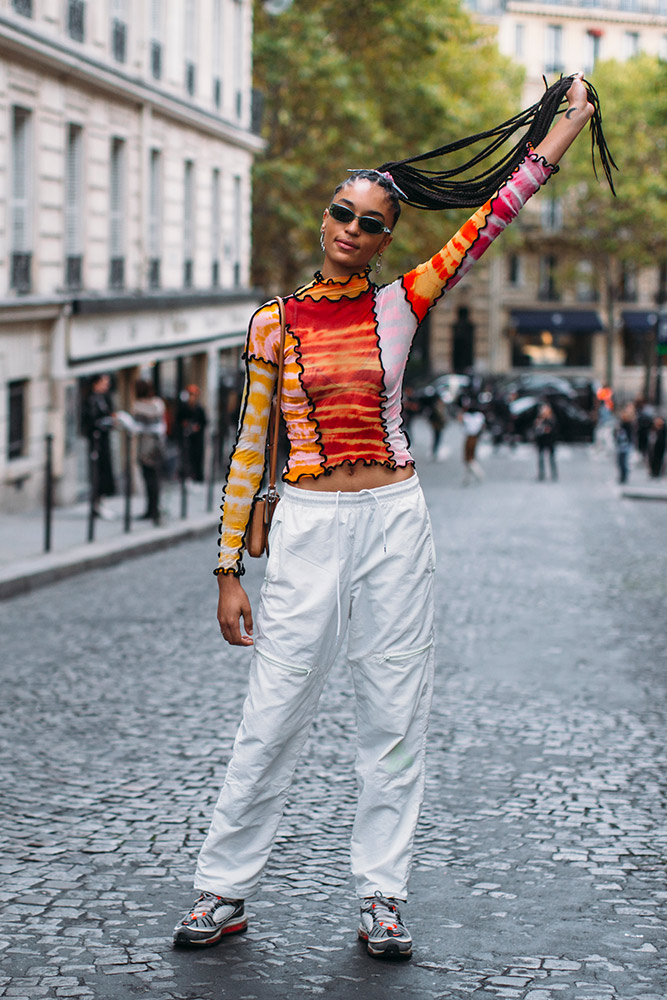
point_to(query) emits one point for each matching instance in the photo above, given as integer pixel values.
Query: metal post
(94, 472)
(183, 474)
(128, 482)
(212, 470)
(48, 493)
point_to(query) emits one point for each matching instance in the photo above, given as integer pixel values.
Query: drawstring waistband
(340, 499)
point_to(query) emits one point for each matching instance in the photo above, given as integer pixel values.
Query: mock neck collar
(335, 288)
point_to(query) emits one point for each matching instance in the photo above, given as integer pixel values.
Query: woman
(149, 414)
(351, 549)
(546, 435)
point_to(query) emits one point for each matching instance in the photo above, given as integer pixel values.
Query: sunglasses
(366, 222)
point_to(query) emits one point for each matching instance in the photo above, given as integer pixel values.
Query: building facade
(125, 197)
(530, 303)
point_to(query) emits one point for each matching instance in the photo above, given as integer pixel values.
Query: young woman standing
(351, 557)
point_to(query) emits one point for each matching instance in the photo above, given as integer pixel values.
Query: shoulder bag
(257, 538)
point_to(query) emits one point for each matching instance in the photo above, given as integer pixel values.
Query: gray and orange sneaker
(209, 919)
(380, 926)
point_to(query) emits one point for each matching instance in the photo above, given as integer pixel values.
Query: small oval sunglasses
(366, 222)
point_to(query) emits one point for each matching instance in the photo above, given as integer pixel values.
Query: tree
(631, 229)
(346, 88)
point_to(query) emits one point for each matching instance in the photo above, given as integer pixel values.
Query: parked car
(574, 423)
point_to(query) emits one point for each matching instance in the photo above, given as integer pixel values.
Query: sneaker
(210, 918)
(381, 928)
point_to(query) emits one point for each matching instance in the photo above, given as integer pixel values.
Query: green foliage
(348, 87)
(631, 228)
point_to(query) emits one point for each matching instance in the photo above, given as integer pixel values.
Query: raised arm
(569, 125)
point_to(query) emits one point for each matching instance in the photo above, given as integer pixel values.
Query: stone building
(127, 144)
(512, 311)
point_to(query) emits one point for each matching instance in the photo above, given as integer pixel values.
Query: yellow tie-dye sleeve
(247, 462)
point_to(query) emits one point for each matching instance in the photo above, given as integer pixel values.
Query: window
(216, 234)
(237, 231)
(519, 33)
(118, 30)
(76, 19)
(23, 7)
(514, 269)
(631, 44)
(593, 41)
(190, 46)
(217, 46)
(548, 287)
(628, 284)
(21, 223)
(17, 394)
(552, 214)
(154, 218)
(156, 39)
(188, 222)
(73, 207)
(117, 215)
(553, 55)
(238, 57)
(586, 286)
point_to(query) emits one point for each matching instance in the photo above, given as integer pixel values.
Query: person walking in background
(149, 413)
(473, 421)
(191, 421)
(656, 448)
(97, 420)
(352, 560)
(624, 434)
(545, 430)
(436, 416)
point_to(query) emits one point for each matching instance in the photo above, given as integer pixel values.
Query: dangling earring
(378, 262)
(322, 241)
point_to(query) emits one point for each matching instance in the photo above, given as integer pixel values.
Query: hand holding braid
(434, 190)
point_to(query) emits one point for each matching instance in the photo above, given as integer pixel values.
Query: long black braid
(430, 189)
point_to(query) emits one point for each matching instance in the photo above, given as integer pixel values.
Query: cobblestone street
(540, 863)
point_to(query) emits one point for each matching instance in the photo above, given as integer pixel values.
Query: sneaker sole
(182, 940)
(392, 949)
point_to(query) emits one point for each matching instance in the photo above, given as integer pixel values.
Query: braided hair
(433, 190)
(385, 182)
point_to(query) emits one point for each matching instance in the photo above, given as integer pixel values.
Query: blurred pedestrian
(97, 420)
(351, 560)
(149, 413)
(410, 407)
(545, 430)
(436, 416)
(644, 426)
(624, 434)
(473, 421)
(656, 448)
(191, 426)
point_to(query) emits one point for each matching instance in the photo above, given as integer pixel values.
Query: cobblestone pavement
(540, 855)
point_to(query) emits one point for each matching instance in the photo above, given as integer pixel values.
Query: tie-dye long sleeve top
(346, 347)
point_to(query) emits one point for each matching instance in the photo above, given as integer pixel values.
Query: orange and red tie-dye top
(346, 347)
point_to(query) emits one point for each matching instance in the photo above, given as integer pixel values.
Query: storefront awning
(555, 320)
(640, 321)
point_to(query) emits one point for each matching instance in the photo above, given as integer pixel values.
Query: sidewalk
(24, 565)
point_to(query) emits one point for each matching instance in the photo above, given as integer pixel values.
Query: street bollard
(128, 482)
(212, 470)
(48, 493)
(93, 470)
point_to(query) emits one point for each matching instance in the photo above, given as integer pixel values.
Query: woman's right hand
(233, 604)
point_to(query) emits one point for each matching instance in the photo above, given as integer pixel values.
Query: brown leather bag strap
(275, 413)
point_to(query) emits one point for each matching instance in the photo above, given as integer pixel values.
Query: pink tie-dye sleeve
(426, 283)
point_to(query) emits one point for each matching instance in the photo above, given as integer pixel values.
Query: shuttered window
(16, 423)
(117, 214)
(188, 222)
(154, 218)
(237, 230)
(76, 20)
(156, 39)
(119, 30)
(216, 229)
(190, 45)
(23, 7)
(238, 63)
(20, 219)
(73, 206)
(216, 59)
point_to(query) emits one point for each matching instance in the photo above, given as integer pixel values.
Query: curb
(645, 493)
(39, 571)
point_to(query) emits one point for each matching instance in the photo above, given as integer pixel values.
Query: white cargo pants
(355, 564)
